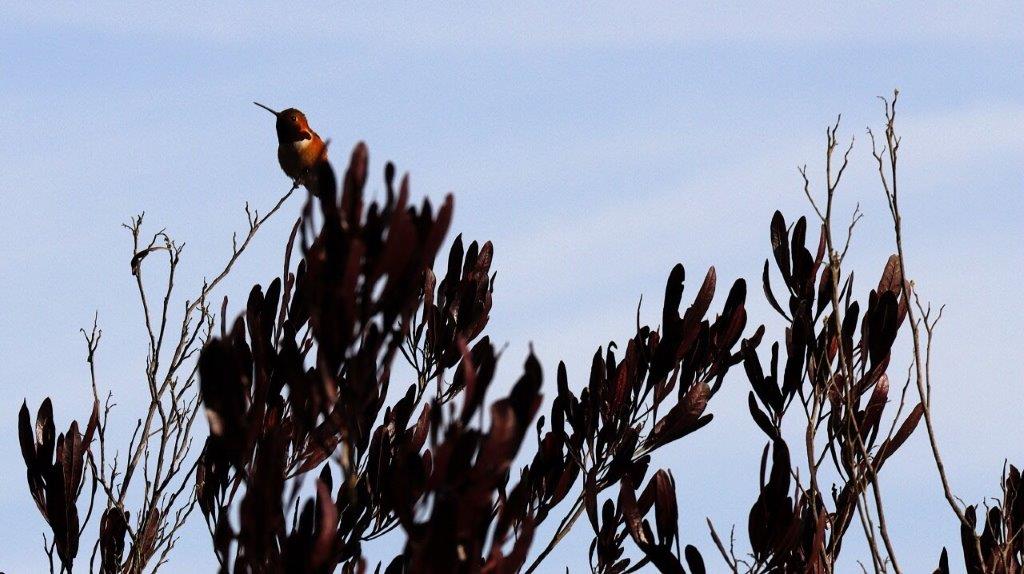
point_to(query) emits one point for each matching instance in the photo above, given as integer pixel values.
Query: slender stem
(835, 262)
(721, 548)
(563, 529)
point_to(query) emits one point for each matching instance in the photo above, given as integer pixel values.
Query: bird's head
(292, 125)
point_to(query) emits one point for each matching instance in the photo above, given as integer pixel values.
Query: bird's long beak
(268, 109)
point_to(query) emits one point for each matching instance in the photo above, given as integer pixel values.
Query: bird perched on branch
(299, 148)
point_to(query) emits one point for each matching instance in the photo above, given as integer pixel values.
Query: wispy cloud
(694, 214)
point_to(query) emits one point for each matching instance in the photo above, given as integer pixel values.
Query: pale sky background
(596, 146)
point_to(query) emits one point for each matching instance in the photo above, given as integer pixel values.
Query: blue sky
(595, 146)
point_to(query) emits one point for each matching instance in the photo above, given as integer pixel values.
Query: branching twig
(173, 405)
(887, 158)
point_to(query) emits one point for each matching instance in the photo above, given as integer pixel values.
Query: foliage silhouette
(301, 384)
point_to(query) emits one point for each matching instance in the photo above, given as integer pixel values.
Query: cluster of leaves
(344, 311)
(454, 312)
(56, 470)
(656, 394)
(841, 385)
(1002, 535)
(300, 380)
(452, 501)
(660, 494)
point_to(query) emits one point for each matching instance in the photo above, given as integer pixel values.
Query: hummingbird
(299, 148)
